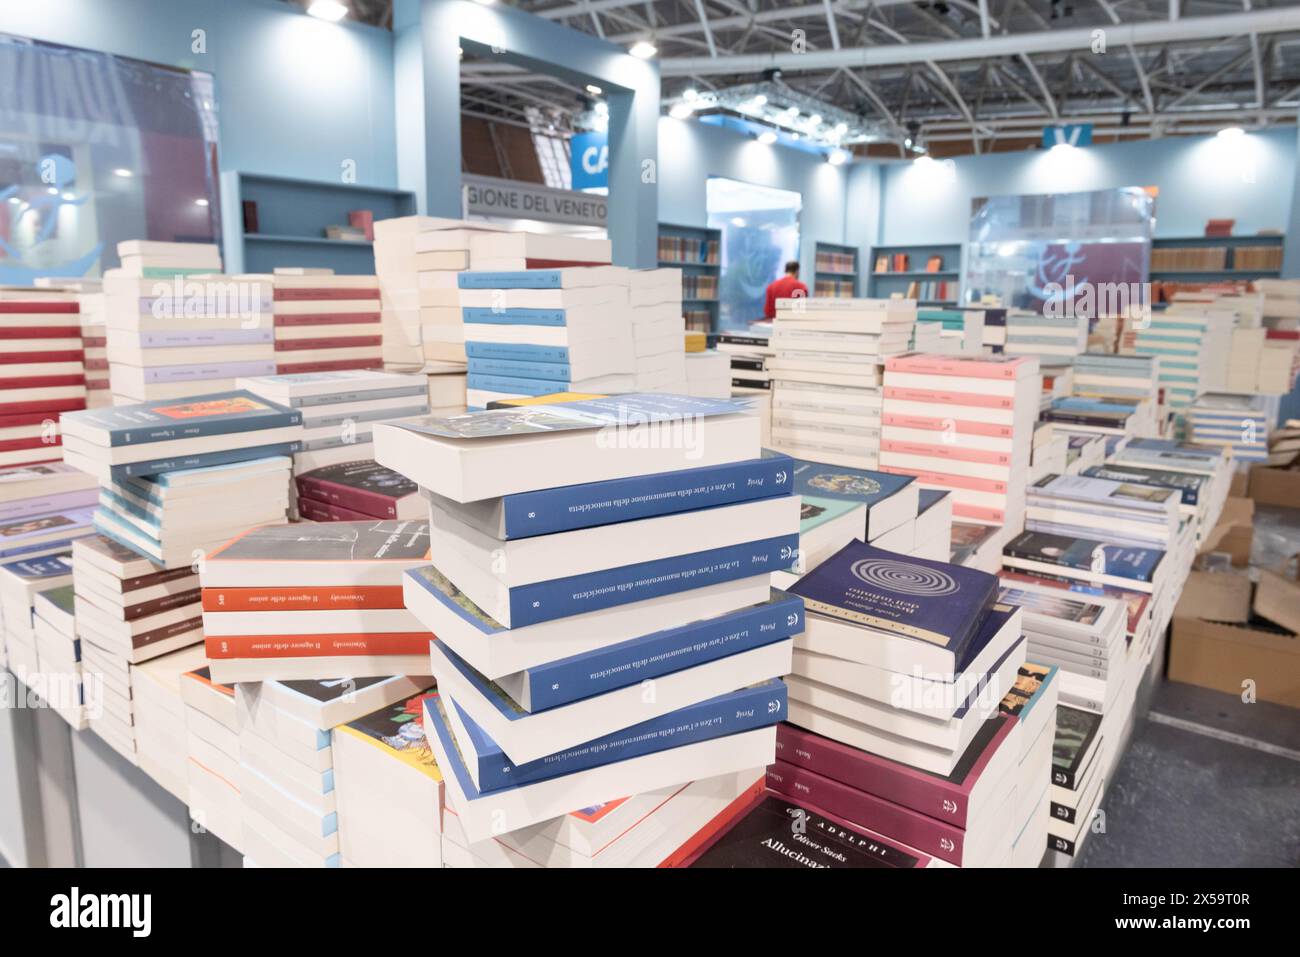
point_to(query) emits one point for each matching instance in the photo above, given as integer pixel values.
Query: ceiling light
(594, 90)
(767, 137)
(123, 172)
(1231, 132)
(689, 94)
(331, 10)
(681, 111)
(643, 49)
(200, 202)
(837, 157)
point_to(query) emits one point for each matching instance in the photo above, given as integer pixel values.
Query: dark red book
(47, 406)
(339, 342)
(328, 365)
(41, 381)
(325, 318)
(249, 208)
(326, 292)
(35, 358)
(40, 332)
(32, 308)
(557, 263)
(35, 442)
(318, 511)
(365, 487)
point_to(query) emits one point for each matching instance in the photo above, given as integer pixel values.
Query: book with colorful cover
(934, 602)
(398, 731)
(165, 420)
(828, 491)
(1023, 697)
(1135, 602)
(1087, 555)
(1187, 484)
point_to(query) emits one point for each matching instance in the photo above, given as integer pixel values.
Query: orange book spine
(302, 599)
(317, 646)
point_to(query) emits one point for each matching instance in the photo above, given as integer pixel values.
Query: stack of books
(43, 508)
(994, 336)
(1051, 340)
(313, 601)
(128, 611)
(339, 409)
(959, 331)
(94, 337)
(1245, 358)
(42, 371)
(749, 362)
(1078, 780)
(149, 259)
(658, 330)
(287, 795)
(1130, 379)
(325, 323)
(357, 491)
(176, 478)
(708, 374)
(21, 580)
(1050, 452)
(388, 788)
(1193, 349)
(180, 337)
(1165, 456)
(976, 546)
(1083, 450)
(515, 251)
(557, 590)
(161, 746)
(1279, 363)
(212, 756)
(904, 662)
(965, 425)
(1032, 701)
(58, 676)
(1237, 423)
(1090, 416)
(826, 396)
(1126, 513)
(539, 331)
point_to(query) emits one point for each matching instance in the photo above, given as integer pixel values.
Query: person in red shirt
(787, 287)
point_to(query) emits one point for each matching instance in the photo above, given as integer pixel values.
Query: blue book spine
(497, 383)
(154, 466)
(142, 424)
(562, 597)
(126, 505)
(744, 710)
(522, 368)
(513, 317)
(644, 496)
(522, 351)
(524, 279)
(630, 662)
(63, 543)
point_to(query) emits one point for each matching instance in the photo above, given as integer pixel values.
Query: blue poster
(589, 160)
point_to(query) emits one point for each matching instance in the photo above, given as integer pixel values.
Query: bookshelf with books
(835, 271)
(929, 273)
(697, 252)
(1210, 257)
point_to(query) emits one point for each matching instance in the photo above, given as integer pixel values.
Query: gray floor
(1209, 781)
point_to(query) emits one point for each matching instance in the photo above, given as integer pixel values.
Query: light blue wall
(296, 96)
(690, 152)
(1248, 179)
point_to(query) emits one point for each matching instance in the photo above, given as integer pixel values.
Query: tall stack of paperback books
(212, 756)
(1134, 380)
(658, 330)
(287, 795)
(1078, 780)
(895, 693)
(1054, 340)
(58, 678)
(541, 331)
(325, 322)
(1237, 423)
(1193, 349)
(42, 371)
(420, 303)
(829, 354)
(314, 601)
(161, 747)
(1032, 701)
(965, 425)
(617, 556)
(1203, 473)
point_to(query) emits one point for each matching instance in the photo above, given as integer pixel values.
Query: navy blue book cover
(929, 601)
(1085, 554)
(167, 419)
(928, 497)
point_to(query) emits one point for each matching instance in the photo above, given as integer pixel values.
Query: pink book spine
(944, 480)
(994, 516)
(949, 398)
(944, 424)
(926, 834)
(954, 452)
(969, 368)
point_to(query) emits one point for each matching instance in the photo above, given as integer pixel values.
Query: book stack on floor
(21, 580)
(1052, 340)
(94, 339)
(826, 395)
(840, 504)
(58, 678)
(339, 409)
(539, 331)
(1237, 423)
(161, 745)
(904, 662)
(658, 330)
(1192, 347)
(128, 611)
(212, 756)
(388, 788)
(708, 375)
(314, 601)
(179, 337)
(1131, 379)
(325, 323)
(42, 371)
(287, 794)
(1032, 701)
(965, 425)
(356, 491)
(558, 588)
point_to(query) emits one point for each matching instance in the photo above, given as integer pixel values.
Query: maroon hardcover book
(364, 486)
(945, 798)
(318, 511)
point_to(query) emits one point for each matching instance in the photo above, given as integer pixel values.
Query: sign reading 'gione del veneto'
(506, 199)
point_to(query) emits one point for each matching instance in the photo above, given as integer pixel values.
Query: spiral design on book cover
(904, 578)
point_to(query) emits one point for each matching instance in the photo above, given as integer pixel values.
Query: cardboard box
(1278, 596)
(1275, 486)
(1223, 657)
(1216, 596)
(1235, 533)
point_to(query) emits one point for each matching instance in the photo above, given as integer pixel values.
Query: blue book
(576, 594)
(1134, 565)
(928, 497)
(222, 413)
(519, 351)
(570, 507)
(650, 656)
(932, 603)
(37, 569)
(758, 706)
(118, 473)
(152, 487)
(523, 368)
(494, 383)
(522, 279)
(833, 488)
(511, 317)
